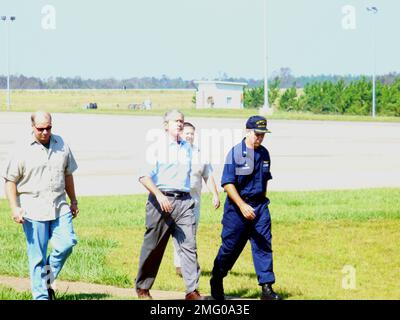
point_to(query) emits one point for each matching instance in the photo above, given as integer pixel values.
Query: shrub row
(329, 97)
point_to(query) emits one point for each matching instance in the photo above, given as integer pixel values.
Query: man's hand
(17, 215)
(247, 211)
(164, 203)
(161, 198)
(216, 201)
(74, 209)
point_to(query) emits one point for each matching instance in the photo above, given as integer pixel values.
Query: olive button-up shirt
(39, 174)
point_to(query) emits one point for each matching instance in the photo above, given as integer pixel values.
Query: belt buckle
(171, 194)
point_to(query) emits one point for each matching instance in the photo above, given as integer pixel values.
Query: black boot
(217, 288)
(268, 294)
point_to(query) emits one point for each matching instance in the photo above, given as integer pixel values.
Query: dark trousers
(160, 226)
(236, 231)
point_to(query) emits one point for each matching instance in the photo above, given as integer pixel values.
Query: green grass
(7, 293)
(107, 100)
(315, 234)
(117, 101)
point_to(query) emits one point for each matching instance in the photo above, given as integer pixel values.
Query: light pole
(373, 11)
(266, 109)
(7, 21)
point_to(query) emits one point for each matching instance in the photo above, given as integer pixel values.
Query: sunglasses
(42, 129)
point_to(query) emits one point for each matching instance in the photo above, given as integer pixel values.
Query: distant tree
(285, 76)
(288, 100)
(273, 91)
(253, 97)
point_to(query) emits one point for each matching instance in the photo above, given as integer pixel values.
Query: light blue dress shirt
(173, 167)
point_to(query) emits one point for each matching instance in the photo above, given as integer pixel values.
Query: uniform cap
(258, 124)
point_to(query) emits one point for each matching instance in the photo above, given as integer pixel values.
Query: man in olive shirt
(37, 176)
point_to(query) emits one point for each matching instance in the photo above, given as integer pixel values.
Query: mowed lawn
(315, 235)
(107, 100)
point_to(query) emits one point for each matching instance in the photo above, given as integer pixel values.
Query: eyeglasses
(42, 129)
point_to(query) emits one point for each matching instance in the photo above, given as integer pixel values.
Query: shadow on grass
(232, 273)
(246, 292)
(250, 293)
(83, 296)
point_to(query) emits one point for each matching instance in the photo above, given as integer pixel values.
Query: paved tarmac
(306, 155)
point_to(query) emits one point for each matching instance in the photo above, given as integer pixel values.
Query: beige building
(219, 94)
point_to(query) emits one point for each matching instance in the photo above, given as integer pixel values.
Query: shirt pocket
(58, 162)
(58, 179)
(243, 175)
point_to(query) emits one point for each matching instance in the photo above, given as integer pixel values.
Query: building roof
(220, 82)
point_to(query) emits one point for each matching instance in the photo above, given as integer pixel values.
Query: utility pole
(266, 109)
(7, 21)
(374, 11)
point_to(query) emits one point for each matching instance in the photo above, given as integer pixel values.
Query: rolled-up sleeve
(147, 170)
(71, 163)
(13, 168)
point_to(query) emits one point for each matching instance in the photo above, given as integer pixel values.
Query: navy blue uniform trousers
(236, 231)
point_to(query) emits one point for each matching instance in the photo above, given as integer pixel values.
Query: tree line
(330, 97)
(24, 82)
(285, 76)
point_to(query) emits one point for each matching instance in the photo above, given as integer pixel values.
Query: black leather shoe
(217, 288)
(51, 293)
(268, 294)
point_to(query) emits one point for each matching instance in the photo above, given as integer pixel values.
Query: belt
(175, 194)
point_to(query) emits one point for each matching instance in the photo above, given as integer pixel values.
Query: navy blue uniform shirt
(248, 170)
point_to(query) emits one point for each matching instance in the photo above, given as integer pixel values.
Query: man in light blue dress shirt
(169, 211)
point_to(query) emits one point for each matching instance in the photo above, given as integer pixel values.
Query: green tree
(289, 100)
(254, 97)
(273, 92)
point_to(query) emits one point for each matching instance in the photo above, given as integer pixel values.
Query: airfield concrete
(111, 150)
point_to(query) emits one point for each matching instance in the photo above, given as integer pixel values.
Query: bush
(354, 97)
(254, 97)
(288, 101)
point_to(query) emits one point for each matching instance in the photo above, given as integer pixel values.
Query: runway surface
(306, 155)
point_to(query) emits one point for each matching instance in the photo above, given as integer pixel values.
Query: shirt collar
(33, 140)
(174, 142)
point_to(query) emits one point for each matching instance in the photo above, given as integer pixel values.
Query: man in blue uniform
(246, 215)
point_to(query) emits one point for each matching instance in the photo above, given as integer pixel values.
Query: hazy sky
(197, 38)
